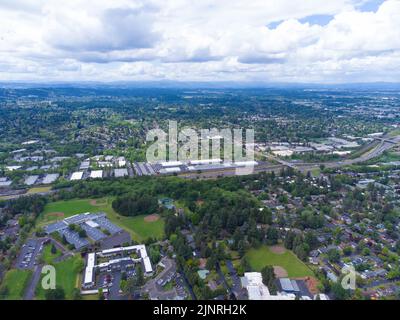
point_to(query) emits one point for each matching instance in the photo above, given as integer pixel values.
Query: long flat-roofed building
(205, 161)
(119, 173)
(118, 259)
(76, 176)
(170, 170)
(96, 174)
(84, 165)
(4, 182)
(50, 178)
(31, 180)
(88, 280)
(141, 248)
(171, 163)
(257, 290)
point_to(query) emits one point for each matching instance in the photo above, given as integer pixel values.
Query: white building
(171, 164)
(76, 176)
(88, 280)
(96, 174)
(170, 170)
(257, 290)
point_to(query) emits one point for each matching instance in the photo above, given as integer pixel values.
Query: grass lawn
(394, 133)
(16, 282)
(66, 275)
(38, 190)
(136, 226)
(90, 297)
(316, 172)
(62, 209)
(48, 257)
(259, 258)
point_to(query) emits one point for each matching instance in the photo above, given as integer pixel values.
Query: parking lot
(111, 281)
(30, 253)
(155, 287)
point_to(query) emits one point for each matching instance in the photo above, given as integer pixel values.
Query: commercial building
(96, 174)
(76, 176)
(50, 178)
(257, 290)
(119, 173)
(170, 170)
(84, 165)
(4, 182)
(31, 180)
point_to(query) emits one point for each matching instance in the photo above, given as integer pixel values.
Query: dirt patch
(56, 214)
(280, 272)
(278, 249)
(96, 204)
(152, 218)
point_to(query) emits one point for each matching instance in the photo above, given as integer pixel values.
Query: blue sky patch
(320, 19)
(371, 5)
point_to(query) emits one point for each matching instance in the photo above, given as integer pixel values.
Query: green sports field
(136, 226)
(259, 258)
(62, 209)
(16, 282)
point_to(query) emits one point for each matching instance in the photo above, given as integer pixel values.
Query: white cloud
(198, 40)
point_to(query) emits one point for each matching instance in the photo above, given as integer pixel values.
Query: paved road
(384, 145)
(237, 284)
(225, 282)
(30, 290)
(154, 289)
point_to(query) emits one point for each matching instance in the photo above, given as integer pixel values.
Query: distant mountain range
(197, 85)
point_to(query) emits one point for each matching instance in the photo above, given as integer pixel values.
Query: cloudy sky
(200, 40)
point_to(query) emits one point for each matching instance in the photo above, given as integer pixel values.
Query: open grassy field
(394, 133)
(66, 275)
(62, 209)
(136, 226)
(259, 258)
(48, 257)
(16, 282)
(38, 190)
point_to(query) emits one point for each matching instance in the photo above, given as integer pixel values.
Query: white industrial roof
(121, 162)
(77, 175)
(147, 265)
(96, 174)
(90, 268)
(12, 168)
(31, 180)
(120, 172)
(246, 163)
(205, 161)
(171, 163)
(258, 291)
(5, 183)
(170, 170)
(85, 165)
(29, 142)
(50, 178)
(92, 224)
